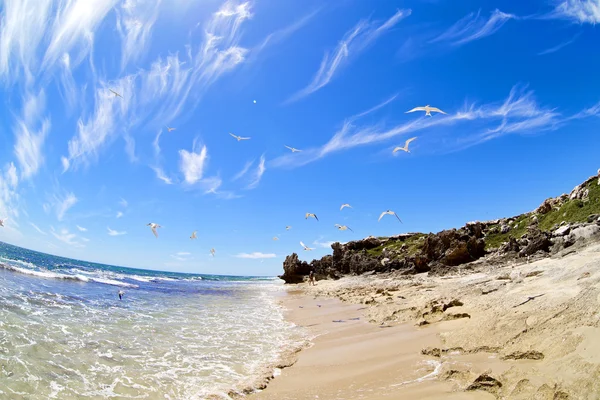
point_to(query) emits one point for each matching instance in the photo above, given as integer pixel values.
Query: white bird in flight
(306, 248)
(427, 110)
(293, 149)
(405, 148)
(115, 93)
(2, 221)
(343, 227)
(170, 129)
(239, 137)
(311, 215)
(154, 226)
(254, 101)
(194, 235)
(212, 251)
(344, 206)
(287, 228)
(388, 212)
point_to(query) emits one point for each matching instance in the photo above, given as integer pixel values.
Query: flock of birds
(427, 109)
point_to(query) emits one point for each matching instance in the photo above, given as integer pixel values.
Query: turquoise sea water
(65, 334)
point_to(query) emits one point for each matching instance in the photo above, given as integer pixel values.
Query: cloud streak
(256, 255)
(30, 134)
(37, 228)
(158, 94)
(66, 237)
(355, 41)
(112, 232)
(474, 27)
(558, 47)
(61, 204)
(518, 113)
(257, 176)
(192, 163)
(577, 11)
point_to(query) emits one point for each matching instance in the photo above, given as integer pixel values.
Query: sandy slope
(546, 348)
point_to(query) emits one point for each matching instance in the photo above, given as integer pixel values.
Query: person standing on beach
(121, 293)
(311, 278)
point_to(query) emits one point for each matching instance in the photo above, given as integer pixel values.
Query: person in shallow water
(121, 293)
(311, 278)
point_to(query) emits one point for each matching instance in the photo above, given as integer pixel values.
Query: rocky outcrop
(450, 250)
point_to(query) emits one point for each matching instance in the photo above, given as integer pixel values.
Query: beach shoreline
(516, 331)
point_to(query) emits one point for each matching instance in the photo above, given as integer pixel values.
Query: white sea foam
(54, 275)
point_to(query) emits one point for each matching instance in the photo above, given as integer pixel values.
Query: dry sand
(443, 334)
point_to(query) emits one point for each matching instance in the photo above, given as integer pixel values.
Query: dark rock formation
(456, 250)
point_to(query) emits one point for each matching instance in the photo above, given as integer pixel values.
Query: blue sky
(83, 171)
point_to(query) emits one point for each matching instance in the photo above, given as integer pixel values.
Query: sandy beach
(517, 331)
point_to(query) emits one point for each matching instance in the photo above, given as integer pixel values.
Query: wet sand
(355, 359)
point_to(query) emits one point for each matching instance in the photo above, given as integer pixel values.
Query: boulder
(538, 240)
(294, 270)
(504, 229)
(563, 230)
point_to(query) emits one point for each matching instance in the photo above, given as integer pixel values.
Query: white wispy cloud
(156, 144)
(123, 203)
(325, 245)
(135, 20)
(82, 229)
(23, 28)
(119, 214)
(182, 256)
(30, 134)
(558, 46)
(353, 43)
(256, 255)
(473, 27)
(282, 34)
(577, 11)
(192, 163)
(257, 176)
(157, 95)
(73, 28)
(9, 197)
(37, 228)
(160, 174)
(66, 237)
(130, 148)
(61, 204)
(112, 232)
(243, 171)
(518, 113)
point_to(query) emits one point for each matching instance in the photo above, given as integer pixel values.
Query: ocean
(65, 334)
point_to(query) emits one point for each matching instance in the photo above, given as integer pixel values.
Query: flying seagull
(287, 228)
(194, 235)
(343, 227)
(239, 137)
(306, 248)
(293, 149)
(344, 206)
(275, 238)
(153, 226)
(311, 215)
(2, 221)
(405, 148)
(115, 93)
(212, 251)
(170, 129)
(389, 212)
(254, 101)
(427, 110)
